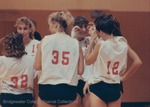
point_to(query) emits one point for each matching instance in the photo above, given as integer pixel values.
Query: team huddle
(80, 64)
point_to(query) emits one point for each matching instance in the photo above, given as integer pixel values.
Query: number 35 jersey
(60, 54)
(16, 75)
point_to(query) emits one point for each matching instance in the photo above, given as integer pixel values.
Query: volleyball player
(109, 59)
(60, 58)
(79, 32)
(17, 73)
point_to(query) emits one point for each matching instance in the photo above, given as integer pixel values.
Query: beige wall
(114, 5)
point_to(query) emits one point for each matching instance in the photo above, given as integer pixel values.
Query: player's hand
(77, 32)
(76, 28)
(86, 89)
(123, 78)
(92, 31)
(91, 24)
(74, 31)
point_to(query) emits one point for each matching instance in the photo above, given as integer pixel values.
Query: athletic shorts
(16, 100)
(106, 92)
(60, 94)
(121, 87)
(80, 87)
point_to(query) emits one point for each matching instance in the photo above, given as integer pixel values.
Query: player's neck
(27, 41)
(80, 39)
(107, 37)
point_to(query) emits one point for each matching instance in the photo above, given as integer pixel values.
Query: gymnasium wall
(133, 15)
(114, 5)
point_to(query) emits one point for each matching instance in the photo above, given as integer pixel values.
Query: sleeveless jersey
(87, 68)
(17, 75)
(31, 48)
(111, 60)
(60, 55)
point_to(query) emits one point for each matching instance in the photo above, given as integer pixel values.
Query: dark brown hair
(108, 24)
(13, 46)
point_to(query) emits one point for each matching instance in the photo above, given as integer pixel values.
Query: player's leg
(116, 103)
(79, 100)
(69, 96)
(41, 103)
(86, 100)
(95, 101)
(75, 103)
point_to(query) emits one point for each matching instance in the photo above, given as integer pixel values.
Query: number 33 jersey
(17, 75)
(60, 54)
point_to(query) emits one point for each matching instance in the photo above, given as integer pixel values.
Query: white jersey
(60, 55)
(16, 75)
(31, 48)
(111, 60)
(87, 68)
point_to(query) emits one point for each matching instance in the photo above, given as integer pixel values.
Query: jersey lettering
(55, 53)
(114, 68)
(24, 80)
(65, 58)
(33, 48)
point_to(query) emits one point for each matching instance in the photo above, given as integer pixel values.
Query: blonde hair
(28, 22)
(61, 16)
(68, 16)
(70, 20)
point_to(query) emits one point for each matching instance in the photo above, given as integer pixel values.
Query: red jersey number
(114, 67)
(65, 58)
(34, 47)
(24, 80)
(56, 56)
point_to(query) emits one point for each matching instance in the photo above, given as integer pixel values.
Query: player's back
(17, 74)
(111, 60)
(60, 54)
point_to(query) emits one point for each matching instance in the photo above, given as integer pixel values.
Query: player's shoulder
(121, 39)
(48, 37)
(72, 38)
(2, 58)
(73, 41)
(28, 58)
(35, 41)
